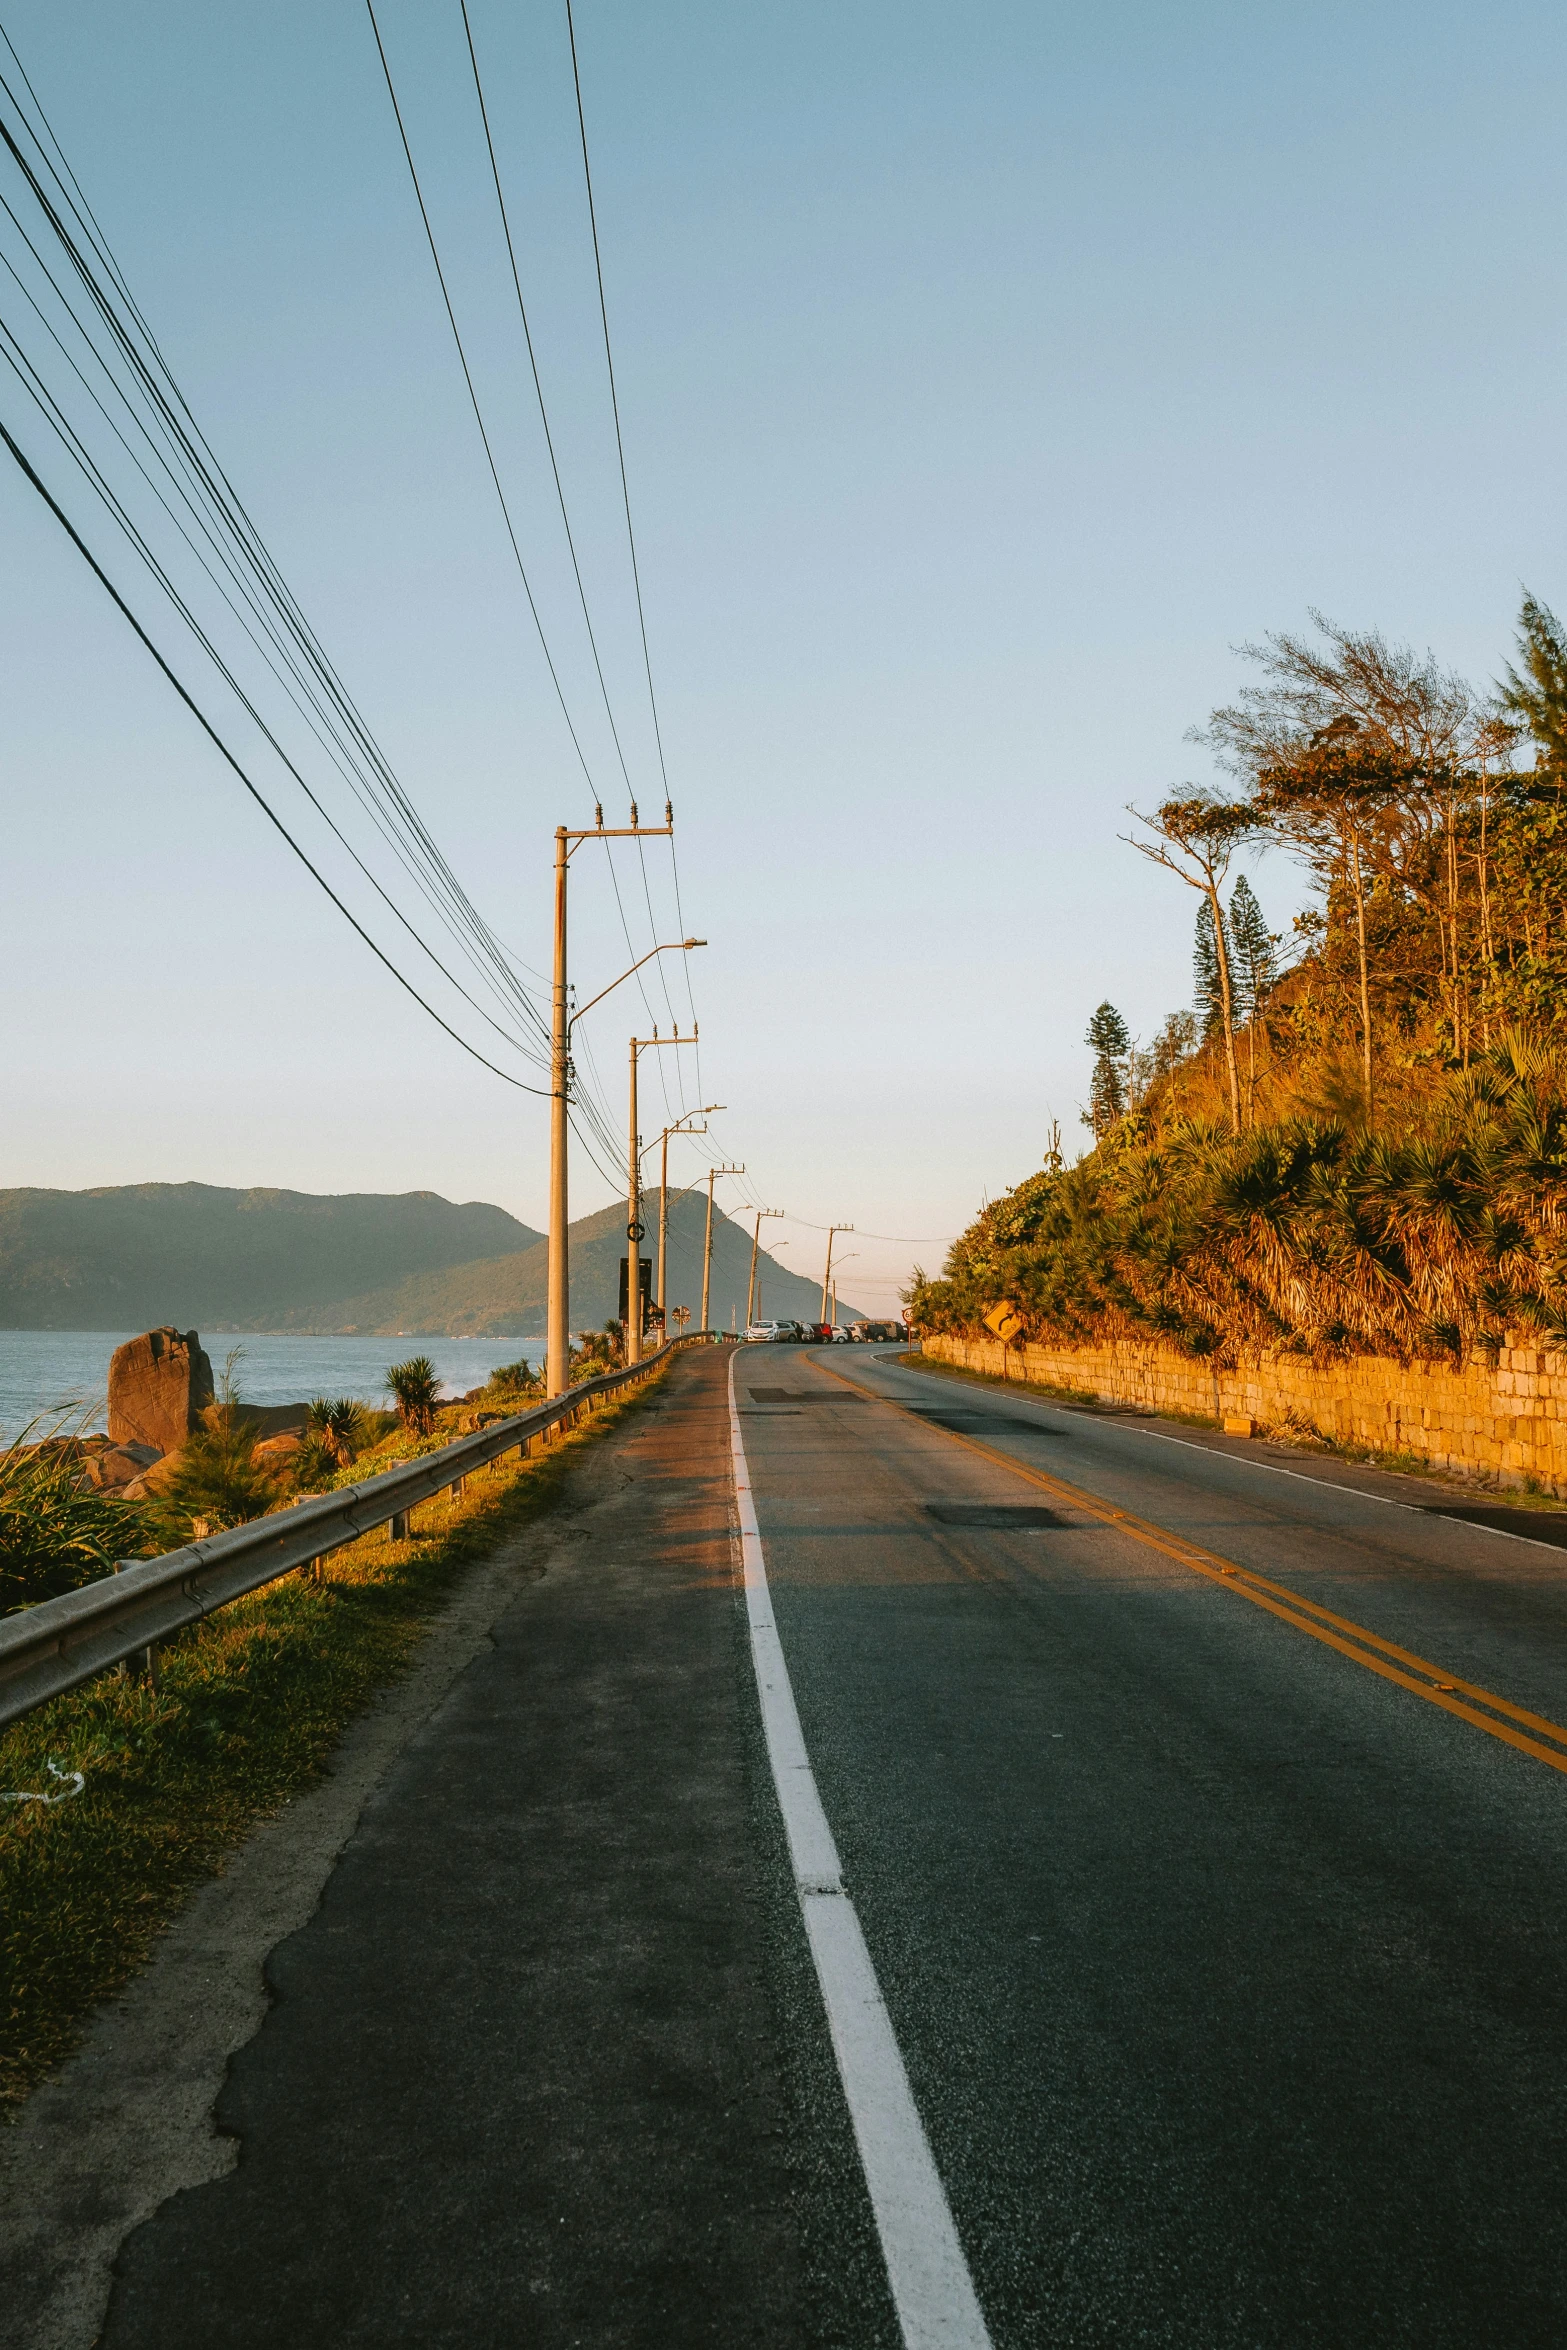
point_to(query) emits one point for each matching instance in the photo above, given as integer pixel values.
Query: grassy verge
(249, 1707)
(1401, 1464)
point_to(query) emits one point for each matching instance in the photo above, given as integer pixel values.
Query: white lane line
(1274, 1469)
(932, 2290)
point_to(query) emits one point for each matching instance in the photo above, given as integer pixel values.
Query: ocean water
(64, 1374)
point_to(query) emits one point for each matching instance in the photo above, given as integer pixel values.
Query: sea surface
(62, 1376)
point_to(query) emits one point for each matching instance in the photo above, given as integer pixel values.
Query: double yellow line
(1481, 1707)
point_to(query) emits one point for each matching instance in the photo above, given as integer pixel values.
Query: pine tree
(1539, 697)
(1255, 969)
(1256, 964)
(1111, 1039)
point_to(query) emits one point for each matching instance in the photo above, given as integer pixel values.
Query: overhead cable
(256, 794)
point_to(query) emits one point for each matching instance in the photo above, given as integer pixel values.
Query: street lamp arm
(675, 946)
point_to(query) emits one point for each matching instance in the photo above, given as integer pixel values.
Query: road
(1215, 1894)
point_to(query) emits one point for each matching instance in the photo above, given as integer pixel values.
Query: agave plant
(338, 1426)
(416, 1390)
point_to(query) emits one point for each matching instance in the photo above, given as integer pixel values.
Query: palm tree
(415, 1389)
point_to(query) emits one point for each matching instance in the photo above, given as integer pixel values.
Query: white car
(765, 1333)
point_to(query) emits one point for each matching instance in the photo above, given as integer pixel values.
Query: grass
(1528, 1496)
(250, 1705)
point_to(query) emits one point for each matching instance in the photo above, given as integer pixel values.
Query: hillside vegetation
(1359, 1145)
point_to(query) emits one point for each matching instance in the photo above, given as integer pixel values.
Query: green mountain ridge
(133, 1256)
(506, 1296)
(130, 1256)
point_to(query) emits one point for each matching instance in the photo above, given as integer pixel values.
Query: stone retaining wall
(1501, 1418)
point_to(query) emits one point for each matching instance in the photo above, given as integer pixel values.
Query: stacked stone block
(1498, 1418)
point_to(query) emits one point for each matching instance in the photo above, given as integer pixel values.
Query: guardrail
(55, 1646)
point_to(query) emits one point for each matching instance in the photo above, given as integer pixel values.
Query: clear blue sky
(987, 374)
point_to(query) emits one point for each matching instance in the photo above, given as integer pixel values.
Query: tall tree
(1195, 837)
(1255, 961)
(1207, 987)
(1377, 756)
(1112, 1043)
(1539, 696)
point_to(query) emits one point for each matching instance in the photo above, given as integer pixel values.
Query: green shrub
(416, 1391)
(56, 1533)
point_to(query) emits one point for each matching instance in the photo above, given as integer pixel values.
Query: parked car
(880, 1333)
(840, 1336)
(765, 1333)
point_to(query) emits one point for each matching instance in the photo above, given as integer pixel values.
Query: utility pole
(557, 1366)
(681, 1126)
(707, 1253)
(832, 1231)
(756, 1241)
(634, 1224)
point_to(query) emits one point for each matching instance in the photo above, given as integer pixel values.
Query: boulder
(279, 1449)
(118, 1465)
(159, 1386)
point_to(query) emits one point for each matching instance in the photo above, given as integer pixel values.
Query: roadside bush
(416, 1391)
(55, 1532)
(217, 1477)
(339, 1428)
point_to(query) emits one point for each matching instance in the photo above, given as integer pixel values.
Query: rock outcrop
(159, 1386)
(117, 1465)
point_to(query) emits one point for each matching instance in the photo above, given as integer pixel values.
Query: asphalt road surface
(1203, 1813)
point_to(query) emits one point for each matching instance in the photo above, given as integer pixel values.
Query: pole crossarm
(635, 830)
(674, 946)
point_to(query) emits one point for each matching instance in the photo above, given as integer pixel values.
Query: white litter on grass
(77, 1780)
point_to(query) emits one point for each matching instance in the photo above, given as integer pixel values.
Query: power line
(316, 678)
(256, 794)
(33, 383)
(614, 399)
(549, 438)
(495, 471)
(478, 412)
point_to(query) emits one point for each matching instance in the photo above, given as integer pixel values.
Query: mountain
(136, 1255)
(505, 1296)
(132, 1256)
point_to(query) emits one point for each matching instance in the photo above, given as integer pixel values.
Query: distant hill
(204, 1258)
(135, 1255)
(506, 1296)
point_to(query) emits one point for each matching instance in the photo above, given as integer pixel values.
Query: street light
(756, 1242)
(707, 1253)
(681, 1126)
(634, 1224)
(847, 1258)
(832, 1230)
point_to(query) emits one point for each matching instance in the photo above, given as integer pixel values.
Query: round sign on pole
(636, 1231)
